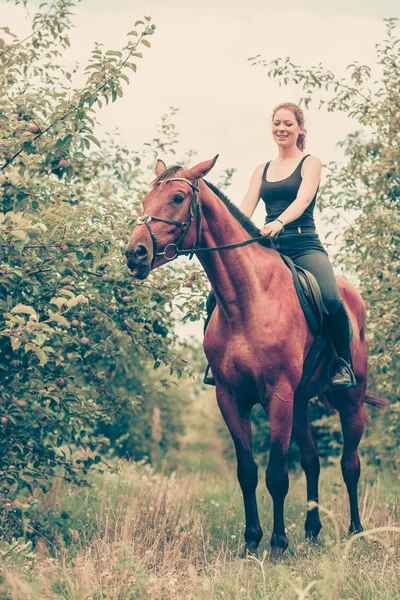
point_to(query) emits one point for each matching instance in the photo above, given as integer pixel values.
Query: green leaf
(15, 343)
(67, 140)
(59, 319)
(80, 299)
(94, 140)
(67, 293)
(23, 308)
(59, 302)
(114, 53)
(146, 43)
(21, 234)
(39, 353)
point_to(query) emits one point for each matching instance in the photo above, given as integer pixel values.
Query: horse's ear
(201, 169)
(160, 167)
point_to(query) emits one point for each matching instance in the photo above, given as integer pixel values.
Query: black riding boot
(210, 305)
(341, 370)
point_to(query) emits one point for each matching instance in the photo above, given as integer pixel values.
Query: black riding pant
(306, 250)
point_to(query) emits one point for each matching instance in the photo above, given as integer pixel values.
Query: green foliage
(78, 338)
(368, 185)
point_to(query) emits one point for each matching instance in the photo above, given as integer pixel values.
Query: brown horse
(256, 341)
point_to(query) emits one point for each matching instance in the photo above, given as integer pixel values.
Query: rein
(227, 247)
(185, 226)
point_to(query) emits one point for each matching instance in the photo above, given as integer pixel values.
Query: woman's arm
(250, 201)
(311, 179)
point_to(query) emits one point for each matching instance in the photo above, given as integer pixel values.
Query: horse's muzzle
(138, 260)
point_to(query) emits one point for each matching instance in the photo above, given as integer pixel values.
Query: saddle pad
(309, 295)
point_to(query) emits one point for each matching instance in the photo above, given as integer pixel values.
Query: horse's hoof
(276, 553)
(279, 544)
(250, 550)
(354, 529)
(312, 538)
(313, 533)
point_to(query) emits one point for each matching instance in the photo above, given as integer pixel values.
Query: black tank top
(278, 195)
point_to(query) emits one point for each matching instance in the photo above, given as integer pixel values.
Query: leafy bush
(78, 338)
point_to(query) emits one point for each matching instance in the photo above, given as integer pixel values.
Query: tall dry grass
(144, 535)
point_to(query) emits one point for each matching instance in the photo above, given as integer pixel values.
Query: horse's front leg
(277, 478)
(238, 421)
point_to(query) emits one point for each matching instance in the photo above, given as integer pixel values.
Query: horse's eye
(179, 198)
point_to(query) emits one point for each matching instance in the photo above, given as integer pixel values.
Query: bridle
(175, 247)
(194, 208)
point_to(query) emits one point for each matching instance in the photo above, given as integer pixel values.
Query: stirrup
(208, 376)
(343, 380)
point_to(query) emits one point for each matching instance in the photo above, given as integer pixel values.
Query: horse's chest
(240, 359)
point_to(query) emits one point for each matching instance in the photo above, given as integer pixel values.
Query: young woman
(288, 185)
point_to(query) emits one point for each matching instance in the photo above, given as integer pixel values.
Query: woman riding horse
(288, 185)
(258, 338)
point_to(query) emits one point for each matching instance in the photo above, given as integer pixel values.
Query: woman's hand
(271, 229)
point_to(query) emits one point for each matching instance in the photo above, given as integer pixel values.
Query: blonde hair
(298, 113)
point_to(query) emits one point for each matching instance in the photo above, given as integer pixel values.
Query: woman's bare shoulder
(260, 168)
(312, 161)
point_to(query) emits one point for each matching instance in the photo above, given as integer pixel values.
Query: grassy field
(141, 534)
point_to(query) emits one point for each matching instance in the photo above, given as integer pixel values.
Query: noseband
(172, 250)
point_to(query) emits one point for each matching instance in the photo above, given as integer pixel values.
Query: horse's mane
(244, 221)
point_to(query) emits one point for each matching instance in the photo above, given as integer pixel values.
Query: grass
(144, 535)
(152, 536)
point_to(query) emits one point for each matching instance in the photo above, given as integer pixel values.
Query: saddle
(310, 298)
(309, 295)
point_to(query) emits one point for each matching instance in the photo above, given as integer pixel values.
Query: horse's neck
(238, 276)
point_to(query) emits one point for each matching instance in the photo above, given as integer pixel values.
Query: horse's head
(171, 219)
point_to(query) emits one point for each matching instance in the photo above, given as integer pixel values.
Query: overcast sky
(198, 64)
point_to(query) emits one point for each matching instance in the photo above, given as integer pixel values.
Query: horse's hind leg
(351, 410)
(310, 463)
(239, 425)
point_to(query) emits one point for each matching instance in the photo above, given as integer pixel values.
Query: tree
(368, 182)
(78, 339)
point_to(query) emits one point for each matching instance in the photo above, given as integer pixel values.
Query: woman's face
(285, 128)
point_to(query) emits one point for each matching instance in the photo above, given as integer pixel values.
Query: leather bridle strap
(185, 226)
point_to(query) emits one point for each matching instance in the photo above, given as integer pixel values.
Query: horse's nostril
(130, 254)
(141, 251)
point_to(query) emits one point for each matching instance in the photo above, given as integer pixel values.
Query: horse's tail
(377, 402)
(330, 402)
